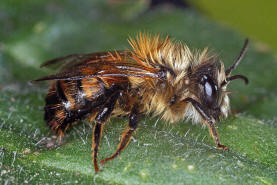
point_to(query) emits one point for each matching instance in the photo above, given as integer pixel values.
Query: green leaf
(159, 153)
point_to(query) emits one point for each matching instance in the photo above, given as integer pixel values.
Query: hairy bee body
(157, 76)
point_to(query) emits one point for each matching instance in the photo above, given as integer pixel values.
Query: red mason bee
(157, 76)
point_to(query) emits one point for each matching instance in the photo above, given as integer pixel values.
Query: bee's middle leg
(127, 134)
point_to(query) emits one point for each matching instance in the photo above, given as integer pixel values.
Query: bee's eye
(210, 91)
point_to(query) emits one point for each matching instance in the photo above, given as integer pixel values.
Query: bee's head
(207, 86)
(211, 83)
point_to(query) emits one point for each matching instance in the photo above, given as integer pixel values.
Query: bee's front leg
(210, 122)
(215, 136)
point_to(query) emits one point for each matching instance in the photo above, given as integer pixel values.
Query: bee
(157, 76)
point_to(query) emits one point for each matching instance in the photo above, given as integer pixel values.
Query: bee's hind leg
(210, 121)
(127, 134)
(100, 118)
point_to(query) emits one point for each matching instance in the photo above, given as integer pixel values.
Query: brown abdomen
(69, 101)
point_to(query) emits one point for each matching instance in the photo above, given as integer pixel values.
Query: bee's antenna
(237, 61)
(234, 77)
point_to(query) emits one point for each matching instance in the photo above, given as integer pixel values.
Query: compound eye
(210, 91)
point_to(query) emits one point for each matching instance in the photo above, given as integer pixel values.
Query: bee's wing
(109, 67)
(74, 60)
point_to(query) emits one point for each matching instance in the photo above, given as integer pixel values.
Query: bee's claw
(223, 147)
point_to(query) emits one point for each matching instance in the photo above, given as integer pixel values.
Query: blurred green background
(34, 31)
(256, 19)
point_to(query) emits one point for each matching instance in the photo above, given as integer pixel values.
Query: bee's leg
(127, 134)
(100, 118)
(210, 121)
(215, 136)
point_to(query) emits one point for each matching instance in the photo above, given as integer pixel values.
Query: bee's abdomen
(66, 102)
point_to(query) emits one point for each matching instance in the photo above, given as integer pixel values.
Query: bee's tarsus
(97, 133)
(223, 147)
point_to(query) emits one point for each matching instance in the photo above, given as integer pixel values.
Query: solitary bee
(157, 76)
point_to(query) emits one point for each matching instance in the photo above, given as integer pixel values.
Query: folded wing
(105, 64)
